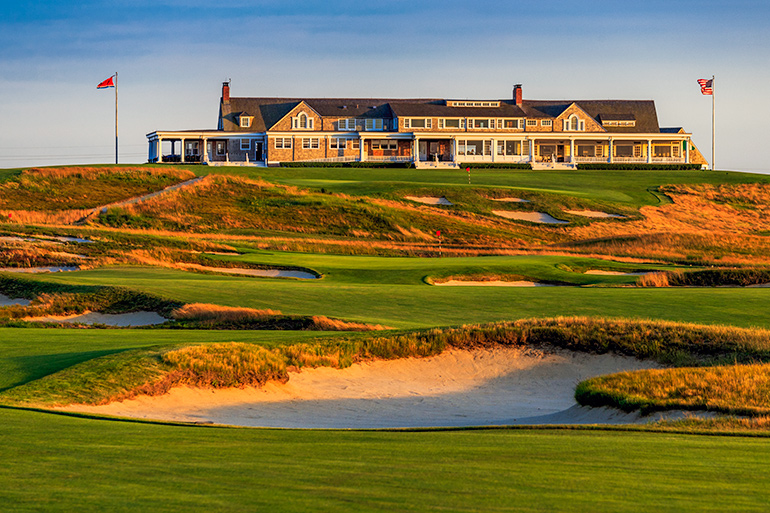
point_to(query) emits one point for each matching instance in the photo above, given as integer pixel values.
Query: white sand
(267, 273)
(495, 283)
(532, 217)
(498, 386)
(594, 213)
(599, 272)
(123, 320)
(6, 301)
(53, 269)
(510, 200)
(429, 200)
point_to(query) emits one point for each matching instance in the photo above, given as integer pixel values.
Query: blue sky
(172, 57)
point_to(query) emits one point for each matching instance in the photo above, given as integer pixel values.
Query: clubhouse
(428, 133)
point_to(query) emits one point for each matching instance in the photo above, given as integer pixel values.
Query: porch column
(416, 150)
(687, 151)
(361, 149)
(203, 152)
(572, 150)
(182, 151)
(610, 142)
(649, 151)
(159, 142)
(452, 149)
(494, 150)
(532, 149)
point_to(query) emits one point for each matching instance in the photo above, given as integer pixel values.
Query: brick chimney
(517, 94)
(225, 92)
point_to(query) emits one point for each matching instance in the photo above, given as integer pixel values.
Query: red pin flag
(438, 233)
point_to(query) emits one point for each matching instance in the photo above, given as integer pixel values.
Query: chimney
(517, 94)
(225, 92)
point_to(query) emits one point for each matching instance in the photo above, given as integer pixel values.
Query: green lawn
(390, 291)
(61, 463)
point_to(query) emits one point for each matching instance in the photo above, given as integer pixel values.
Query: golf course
(186, 337)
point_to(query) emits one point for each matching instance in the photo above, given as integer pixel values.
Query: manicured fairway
(58, 463)
(400, 299)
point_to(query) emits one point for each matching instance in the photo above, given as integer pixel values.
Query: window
(191, 148)
(246, 121)
(573, 124)
(418, 123)
(221, 148)
(356, 144)
(347, 124)
(513, 123)
(310, 143)
(482, 123)
(546, 122)
(373, 124)
(661, 151)
(624, 150)
(454, 103)
(283, 143)
(531, 122)
(586, 150)
(337, 143)
(302, 122)
(474, 147)
(449, 123)
(384, 144)
(509, 147)
(245, 144)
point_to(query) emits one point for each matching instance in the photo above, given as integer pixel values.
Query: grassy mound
(733, 389)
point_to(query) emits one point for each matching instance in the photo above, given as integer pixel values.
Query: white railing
(347, 158)
(372, 158)
(669, 160)
(636, 160)
(586, 160)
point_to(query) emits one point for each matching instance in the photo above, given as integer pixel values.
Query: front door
(258, 151)
(423, 150)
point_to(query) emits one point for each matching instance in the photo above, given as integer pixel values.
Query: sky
(172, 57)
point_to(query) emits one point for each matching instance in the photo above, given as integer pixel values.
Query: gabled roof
(269, 111)
(643, 112)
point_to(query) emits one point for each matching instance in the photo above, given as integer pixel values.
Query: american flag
(706, 85)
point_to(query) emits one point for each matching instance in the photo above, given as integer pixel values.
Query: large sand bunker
(498, 386)
(492, 283)
(7, 301)
(36, 270)
(245, 271)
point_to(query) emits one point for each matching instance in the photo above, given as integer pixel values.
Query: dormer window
(302, 122)
(574, 124)
(245, 121)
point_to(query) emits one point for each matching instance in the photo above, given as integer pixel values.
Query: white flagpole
(713, 119)
(116, 117)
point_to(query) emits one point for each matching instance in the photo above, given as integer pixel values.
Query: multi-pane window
(513, 123)
(336, 143)
(450, 123)
(283, 143)
(245, 121)
(310, 143)
(531, 122)
(384, 144)
(373, 124)
(221, 148)
(245, 144)
(474, 147)
(356, 144)
(418, 123)
(482, 123)
(509, 147)
(546, 122)
(302, 122)
(346, 124)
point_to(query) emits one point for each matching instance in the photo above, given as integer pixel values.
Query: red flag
(106, 83)
(706, 85)
(438, 233)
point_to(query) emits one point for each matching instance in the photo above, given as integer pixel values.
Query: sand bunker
(498, 386)
(267, 273)
(493, 283)
(53, 269)
(594, 213)
(511, 200)
(429, 200)
(6, 301)
(599, 272)
(119, 320)
(532, 217)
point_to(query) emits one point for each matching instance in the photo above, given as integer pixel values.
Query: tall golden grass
(90, 173)
(736, 389)
(208, 311)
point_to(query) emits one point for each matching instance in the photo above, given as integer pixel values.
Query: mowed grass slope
(62, 464)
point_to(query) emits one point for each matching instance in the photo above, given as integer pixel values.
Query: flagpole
(116, 117)
(713, 120)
